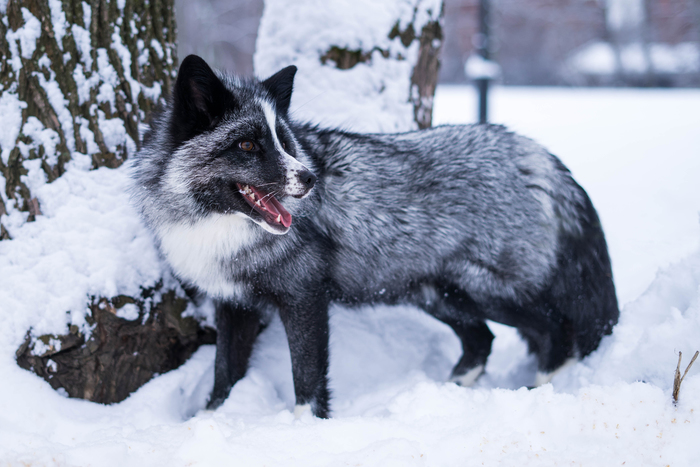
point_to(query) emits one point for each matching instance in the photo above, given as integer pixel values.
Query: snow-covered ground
(638, 155)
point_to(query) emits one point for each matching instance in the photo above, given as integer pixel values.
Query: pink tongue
(273, 206)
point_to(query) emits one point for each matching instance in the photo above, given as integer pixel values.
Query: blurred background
(642, 43)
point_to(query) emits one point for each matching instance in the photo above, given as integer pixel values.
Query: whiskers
(273, 193)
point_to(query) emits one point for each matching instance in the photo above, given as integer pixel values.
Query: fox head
(231, 148)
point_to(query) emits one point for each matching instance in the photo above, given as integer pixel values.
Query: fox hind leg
(476, 341)
(460, 312)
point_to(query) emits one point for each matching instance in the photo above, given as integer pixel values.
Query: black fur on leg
(456, 309)
(306, 324)
(476, 345)
(551, 340)
(237, 328)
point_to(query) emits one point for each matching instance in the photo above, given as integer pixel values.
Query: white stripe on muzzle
(293, 185)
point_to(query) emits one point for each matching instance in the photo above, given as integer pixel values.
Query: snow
(110, 79)
(11, 111)
(87, 15)
(104, 79)
(635, 151)
(27, 35)
(598, 58)
(40, 136)
(374, 95)
(82, 42)
(88, 242)
(58, 19)
(60, 107)
(679, 58)
(477, 67)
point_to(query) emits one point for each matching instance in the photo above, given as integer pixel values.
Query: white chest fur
(200, 252)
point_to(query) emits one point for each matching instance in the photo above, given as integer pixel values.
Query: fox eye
(246, 145)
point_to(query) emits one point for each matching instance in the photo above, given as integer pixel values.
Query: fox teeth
(279, 217)
(248, 192)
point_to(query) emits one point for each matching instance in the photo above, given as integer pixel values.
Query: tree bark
(119, 356)
(75, 68)
(76, 79)
(425, 73)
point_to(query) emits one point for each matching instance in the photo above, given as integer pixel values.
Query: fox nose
(307, 178)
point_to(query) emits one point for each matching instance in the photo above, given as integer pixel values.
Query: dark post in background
(482, 83)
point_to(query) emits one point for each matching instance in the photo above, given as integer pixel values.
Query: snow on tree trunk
(363, 65)
(77, 79)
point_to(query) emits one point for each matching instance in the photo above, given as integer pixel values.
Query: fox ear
(280, 86)
(199, 98)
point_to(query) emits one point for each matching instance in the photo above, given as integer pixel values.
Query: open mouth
(272, 212)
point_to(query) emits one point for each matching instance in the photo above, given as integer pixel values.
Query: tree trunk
(425, 73)
(75, 68)
(120, 355)
(76, 79)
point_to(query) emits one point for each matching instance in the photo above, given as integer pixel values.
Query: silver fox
(267, 215)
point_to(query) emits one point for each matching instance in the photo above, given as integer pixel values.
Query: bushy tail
(583, 287)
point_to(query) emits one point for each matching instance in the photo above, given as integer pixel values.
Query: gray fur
(460, 201)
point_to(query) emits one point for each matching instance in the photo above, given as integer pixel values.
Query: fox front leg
(306, 324)
(237, 327)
